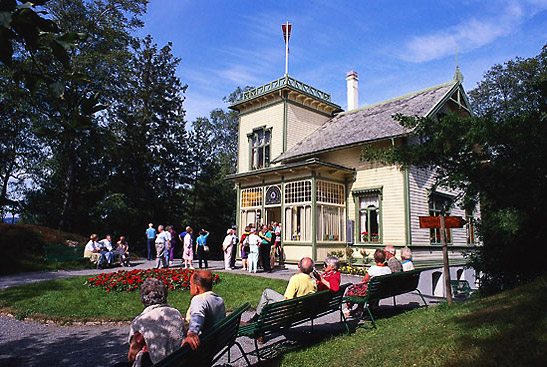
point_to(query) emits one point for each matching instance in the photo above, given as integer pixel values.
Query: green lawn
(70, 299)
(509, 329)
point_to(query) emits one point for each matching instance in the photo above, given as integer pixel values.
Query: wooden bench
(387, 286)
(282, 315)
(213, 344)
(63, 253)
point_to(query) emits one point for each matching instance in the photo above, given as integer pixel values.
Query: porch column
(314, 216)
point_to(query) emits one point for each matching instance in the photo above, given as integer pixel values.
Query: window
(298, 192)
(437, 205)
(470, 231)
(330, 211)
(259, 141)
(251, 206)
(298, 211)
(273, 195)
(251, 197)
(369, 216)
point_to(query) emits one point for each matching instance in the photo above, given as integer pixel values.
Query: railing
(285, 81)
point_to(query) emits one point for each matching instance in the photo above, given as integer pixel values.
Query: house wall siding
(371, 175)
(420, 182)
(300, 123)
(270, 117)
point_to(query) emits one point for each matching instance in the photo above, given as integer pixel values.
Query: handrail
(285, 81)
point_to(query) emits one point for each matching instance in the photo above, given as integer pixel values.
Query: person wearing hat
(227, 245)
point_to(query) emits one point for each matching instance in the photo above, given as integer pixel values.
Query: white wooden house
(299, 163)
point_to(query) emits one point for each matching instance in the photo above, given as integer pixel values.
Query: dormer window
(259, 141)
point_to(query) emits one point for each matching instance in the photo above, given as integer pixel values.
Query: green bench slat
(386, 286)
(285, 314)
(213, 344)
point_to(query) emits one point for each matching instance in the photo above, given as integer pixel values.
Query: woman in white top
(360, 289)
(406, 256)
(254, 241)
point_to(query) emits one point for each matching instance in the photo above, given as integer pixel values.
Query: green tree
(498, 159)
(88, 79)
(151, 154)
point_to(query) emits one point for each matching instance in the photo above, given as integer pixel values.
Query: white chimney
(353, 90)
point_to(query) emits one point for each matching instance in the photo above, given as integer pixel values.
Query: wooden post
(447, 286)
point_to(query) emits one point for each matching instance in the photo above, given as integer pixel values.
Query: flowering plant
(372, 238)
(127, 281)
(353, 270)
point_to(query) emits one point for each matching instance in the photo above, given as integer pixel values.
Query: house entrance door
(273, 215)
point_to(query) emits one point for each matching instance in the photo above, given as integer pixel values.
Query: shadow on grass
(76, 347)
(508, 329)
(298, 338)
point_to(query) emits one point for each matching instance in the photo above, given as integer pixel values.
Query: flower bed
(352, 270)
(127, 281)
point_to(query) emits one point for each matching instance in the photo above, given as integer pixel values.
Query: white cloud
(466, 36)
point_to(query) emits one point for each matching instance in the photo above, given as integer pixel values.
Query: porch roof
(309, 164)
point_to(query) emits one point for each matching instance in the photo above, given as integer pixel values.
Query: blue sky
(397, 47)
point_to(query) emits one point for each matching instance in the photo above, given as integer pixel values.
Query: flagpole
(287, 49)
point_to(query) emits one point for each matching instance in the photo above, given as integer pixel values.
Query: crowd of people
(103, 253)
(161, 329)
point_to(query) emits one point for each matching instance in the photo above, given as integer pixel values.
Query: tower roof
(292, 85)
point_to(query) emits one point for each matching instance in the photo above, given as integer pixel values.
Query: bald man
(300, 284)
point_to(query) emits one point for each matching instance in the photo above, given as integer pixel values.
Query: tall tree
(151, 169)
(90, 74)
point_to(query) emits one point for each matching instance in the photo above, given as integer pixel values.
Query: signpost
(441, 222)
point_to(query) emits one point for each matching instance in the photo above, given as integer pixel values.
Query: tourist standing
(234, 249)
(162, 241)
(150, 239)
(202, 248)
(244, 248)
(277, 244)
(187, 248)
(227, 245)
(254, 242)
(173, 234)
(265, 248)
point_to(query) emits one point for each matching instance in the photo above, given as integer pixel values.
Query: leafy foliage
(498, 158)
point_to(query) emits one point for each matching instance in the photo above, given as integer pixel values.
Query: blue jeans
(150, 245)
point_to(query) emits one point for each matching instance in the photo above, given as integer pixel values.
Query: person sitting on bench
(360, 289)
(206, 308)
(300, 284)
(330, 279)
(158, 331)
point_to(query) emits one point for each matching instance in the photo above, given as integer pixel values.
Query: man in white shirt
(162, 241)
(106, 249)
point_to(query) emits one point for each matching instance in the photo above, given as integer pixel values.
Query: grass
(66, 300)
(21, 246)
(506, 329)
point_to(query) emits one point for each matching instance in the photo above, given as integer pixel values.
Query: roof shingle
(367, 124)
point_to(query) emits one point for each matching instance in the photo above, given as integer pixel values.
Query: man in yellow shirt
(300, 284)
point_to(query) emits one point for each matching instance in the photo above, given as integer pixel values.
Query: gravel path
(27, 343)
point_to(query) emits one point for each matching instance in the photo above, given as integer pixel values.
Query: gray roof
(370, 123)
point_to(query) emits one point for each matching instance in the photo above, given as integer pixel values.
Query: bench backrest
(221, 335)
(61, 252)
(332, 301)
(286, 313)
(390, 285)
